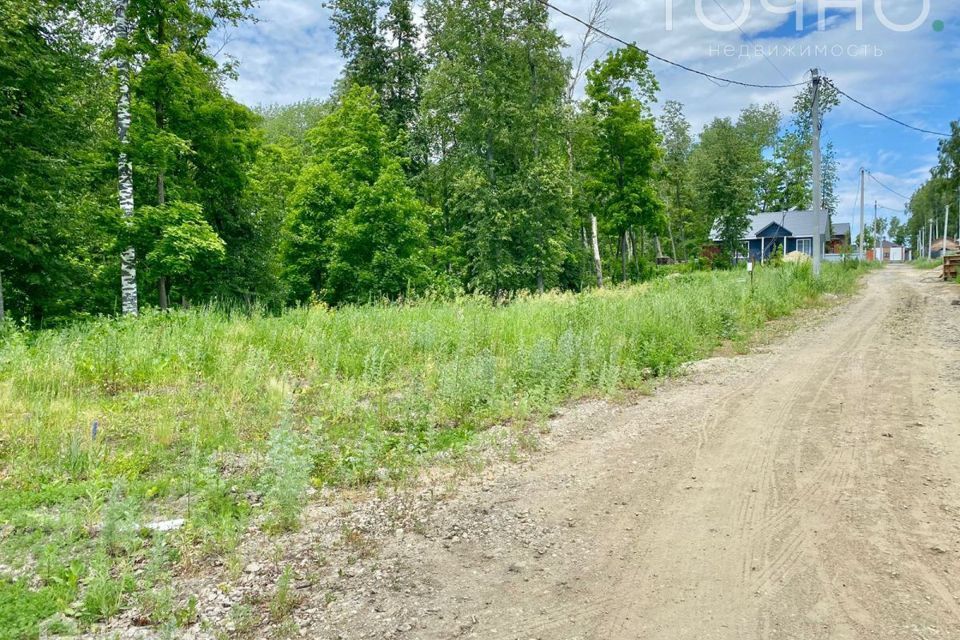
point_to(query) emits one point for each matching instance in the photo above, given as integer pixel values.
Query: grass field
(227, 421)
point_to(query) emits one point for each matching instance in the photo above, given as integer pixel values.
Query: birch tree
(128, 259)
(596, 20)
(620, 88)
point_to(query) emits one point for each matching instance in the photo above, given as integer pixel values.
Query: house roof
(937, 244)
(841, 229)
(800, 224)
(886, 244)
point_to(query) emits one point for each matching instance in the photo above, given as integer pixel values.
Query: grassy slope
(184, 403)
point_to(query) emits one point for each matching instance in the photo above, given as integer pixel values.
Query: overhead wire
(891, 190)
(730, 81)
(698, 72)
(884, 115)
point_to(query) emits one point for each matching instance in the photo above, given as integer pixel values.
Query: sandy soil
(806, 490)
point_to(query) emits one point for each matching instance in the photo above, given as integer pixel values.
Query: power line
(890, 209)
(709, 76)
(896, 193)
(883, 115)
(729, 81)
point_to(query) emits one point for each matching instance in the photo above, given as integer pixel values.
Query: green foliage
(493, 114)
(927, 263)
(676, 187)
(788, 183)
(105, 593)
(940, 190)
(728, 165)
(23, 608)
(620, 88)
(357, 229)
(379, 39)
(283, 123)
(53, 119)
(284, 598)
(287, 476)
(175, 240)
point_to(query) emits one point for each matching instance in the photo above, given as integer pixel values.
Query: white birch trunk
(597, 264)
(128, 259)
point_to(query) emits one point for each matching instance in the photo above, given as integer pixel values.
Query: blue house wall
(754, 246)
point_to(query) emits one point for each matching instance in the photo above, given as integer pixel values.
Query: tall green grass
(927, 263)
(185, 402)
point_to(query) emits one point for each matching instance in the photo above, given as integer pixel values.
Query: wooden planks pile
(951, 267)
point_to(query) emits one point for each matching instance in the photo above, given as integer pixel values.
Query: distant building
(936, 247)
(839, 237)
(792, 230)
(889, 252)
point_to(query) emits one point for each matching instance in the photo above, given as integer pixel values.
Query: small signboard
(749, 266)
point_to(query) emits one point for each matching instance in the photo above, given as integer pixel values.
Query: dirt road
(808, 490)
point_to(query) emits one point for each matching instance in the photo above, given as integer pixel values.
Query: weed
(243, 619)
(287, 476)
(106, 590)
(284, 599)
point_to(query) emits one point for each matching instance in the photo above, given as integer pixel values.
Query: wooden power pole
(946, 223)
(862, 247)
(817, 173)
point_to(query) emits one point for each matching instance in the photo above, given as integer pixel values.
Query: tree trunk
(128, 259)
(673, 243)
(540, 281)
(623, 256)
(597, 264)
(163, 293)
(2, 311)
(656, 240)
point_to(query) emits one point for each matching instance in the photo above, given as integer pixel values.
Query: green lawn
(200, 414)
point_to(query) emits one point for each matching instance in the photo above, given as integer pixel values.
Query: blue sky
(289, 54)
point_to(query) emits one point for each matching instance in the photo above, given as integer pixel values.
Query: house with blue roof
(792, 230)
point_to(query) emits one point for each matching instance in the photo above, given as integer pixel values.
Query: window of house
(805, 245)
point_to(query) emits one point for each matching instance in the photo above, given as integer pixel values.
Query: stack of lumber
(951, 267)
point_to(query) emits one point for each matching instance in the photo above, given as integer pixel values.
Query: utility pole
(817, 173)
(861, 248)
(946, 223)
(930, 241)
(876, 233)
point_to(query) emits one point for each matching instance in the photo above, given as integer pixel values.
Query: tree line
(458, 153)
(929, 203)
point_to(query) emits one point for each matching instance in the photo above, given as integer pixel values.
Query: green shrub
(287, 476)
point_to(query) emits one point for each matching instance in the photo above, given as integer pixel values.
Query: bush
(287, 476)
